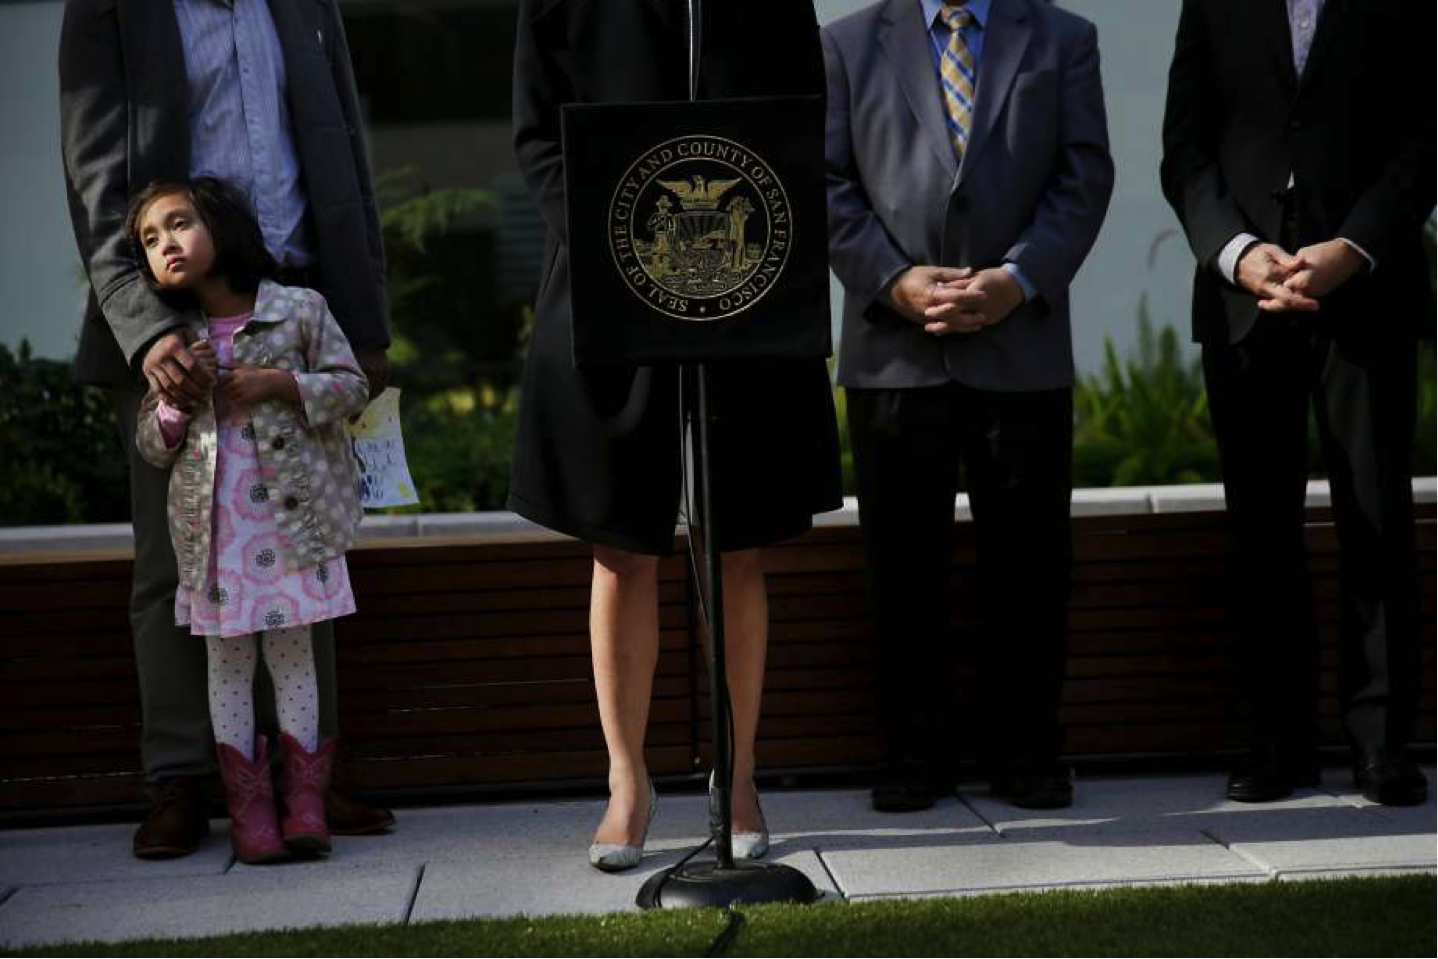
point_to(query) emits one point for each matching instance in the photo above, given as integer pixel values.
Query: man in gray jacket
(262, 95)
(969, 174)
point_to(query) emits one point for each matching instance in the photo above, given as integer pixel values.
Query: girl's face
(176, 242)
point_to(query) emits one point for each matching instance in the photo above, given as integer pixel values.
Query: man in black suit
(152, 91)
(1299, 155)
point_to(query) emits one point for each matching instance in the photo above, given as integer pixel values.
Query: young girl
(263, 495)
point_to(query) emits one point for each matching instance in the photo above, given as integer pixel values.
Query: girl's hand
(204, 352)
(244, 386)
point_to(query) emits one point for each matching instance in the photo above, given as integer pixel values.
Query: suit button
(278, 444)
(291, 502)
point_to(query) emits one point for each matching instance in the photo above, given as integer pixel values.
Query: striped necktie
(957, 70)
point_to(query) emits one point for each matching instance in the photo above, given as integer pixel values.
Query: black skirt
(599, 450)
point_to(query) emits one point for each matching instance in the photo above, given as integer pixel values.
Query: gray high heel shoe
(617, 857)
(746, 845)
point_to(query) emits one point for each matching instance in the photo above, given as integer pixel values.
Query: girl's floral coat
(309, 469)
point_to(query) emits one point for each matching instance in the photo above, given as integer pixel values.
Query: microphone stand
(723, 881)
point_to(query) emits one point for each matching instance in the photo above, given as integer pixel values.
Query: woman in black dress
(598, 451)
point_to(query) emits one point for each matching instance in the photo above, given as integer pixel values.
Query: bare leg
(746, 640)
(624, 644)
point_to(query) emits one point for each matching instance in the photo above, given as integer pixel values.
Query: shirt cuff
(1229, 256)
(1013, 270)
(173, 423)
(1372, 263)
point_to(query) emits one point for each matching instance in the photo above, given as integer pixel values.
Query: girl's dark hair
(240, 253)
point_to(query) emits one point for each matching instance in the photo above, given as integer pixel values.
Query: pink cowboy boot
(250, 798)
(303, 781)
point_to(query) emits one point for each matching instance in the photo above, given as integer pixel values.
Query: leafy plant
(1144, 420)
(60, 458)
(459, 445)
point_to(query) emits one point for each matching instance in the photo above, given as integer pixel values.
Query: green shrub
(1144, 420)
(459, 445)
(60, 458)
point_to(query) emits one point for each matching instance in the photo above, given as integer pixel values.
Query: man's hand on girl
(175, 372)
(244, 386)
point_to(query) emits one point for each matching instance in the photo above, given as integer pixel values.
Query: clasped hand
(184, 374)
(244, 386)
(1285, 282)
(944, 300)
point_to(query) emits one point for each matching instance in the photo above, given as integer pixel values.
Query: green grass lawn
(1345, 917)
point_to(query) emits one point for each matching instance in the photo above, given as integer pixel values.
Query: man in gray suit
(262, 94)
(969, 174)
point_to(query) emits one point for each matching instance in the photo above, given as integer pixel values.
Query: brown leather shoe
(348, 817)
(176, 822)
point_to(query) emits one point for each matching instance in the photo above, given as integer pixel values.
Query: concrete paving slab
(550, 884)
(845, 819)
(280, 898)
(511, 831)
(1154, 803)
(1328, 841)
(91, 853)
(1007, 864)
(506, 832)
(1339, 782)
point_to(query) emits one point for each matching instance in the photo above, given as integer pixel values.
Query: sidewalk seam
(1249, 858)
(980, 816)
(824, 864)
(413, 894)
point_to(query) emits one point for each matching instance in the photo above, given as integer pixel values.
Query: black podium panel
(697, 231)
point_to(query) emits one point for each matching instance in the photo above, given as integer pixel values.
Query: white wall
(40, 292)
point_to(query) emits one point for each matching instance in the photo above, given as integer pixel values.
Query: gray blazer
(124, 123)
(1033, 189)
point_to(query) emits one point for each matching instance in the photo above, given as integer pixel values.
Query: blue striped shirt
(239, 118)
(974, 37)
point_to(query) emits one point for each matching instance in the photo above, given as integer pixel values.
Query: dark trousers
(1016, 450)
(175, 737)
(1260, 391)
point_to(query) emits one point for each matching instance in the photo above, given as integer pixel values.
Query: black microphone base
(698, 884)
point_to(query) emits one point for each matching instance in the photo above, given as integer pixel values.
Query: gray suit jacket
(1033, 189)
(124, 123)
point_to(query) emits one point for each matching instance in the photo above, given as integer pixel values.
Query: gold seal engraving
(700, 228)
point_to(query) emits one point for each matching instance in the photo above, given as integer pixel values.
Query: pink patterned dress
(247, 588)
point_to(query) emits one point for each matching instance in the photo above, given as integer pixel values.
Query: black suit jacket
(124, 123)
(636, 51)
(1356, 130)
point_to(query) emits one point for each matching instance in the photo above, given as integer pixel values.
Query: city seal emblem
(700, 228)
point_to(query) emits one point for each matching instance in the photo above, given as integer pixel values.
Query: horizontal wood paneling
(468, 665)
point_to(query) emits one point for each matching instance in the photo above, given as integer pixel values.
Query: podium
(698, 233)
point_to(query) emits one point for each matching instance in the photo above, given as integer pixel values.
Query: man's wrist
(1369, 264)
(1027, 289)
(1232, 255)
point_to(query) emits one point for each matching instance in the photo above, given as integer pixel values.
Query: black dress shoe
(1390, 778)
(1268, 776)
(176, 822)
(907, 789)
(1035, 785)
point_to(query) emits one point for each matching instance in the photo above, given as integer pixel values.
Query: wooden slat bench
(467, 668)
